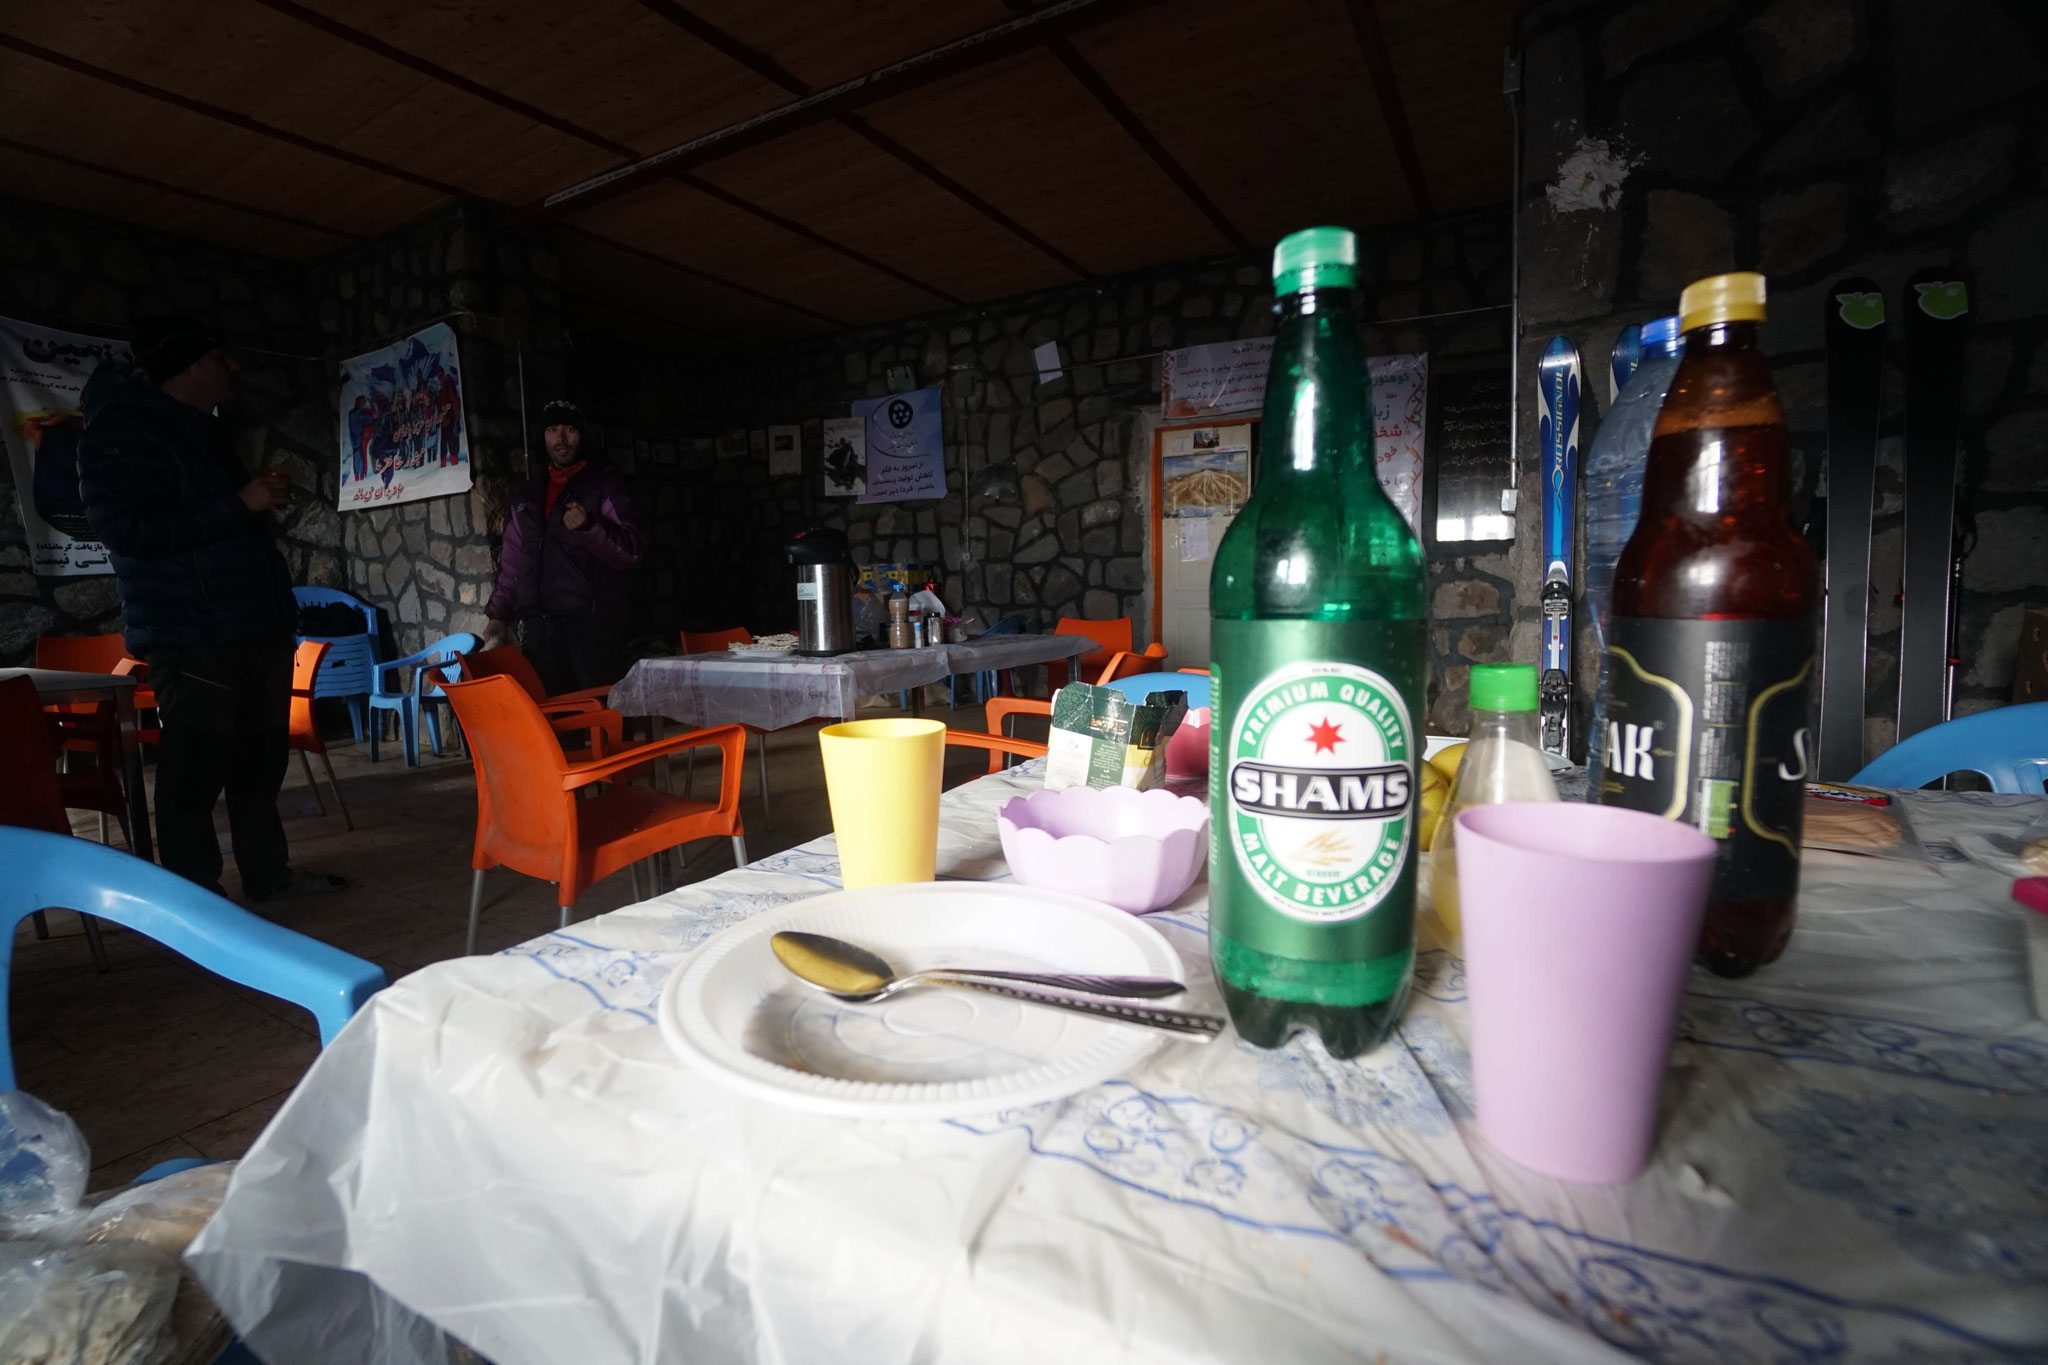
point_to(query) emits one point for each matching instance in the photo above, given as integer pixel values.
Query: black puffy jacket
(197, 568)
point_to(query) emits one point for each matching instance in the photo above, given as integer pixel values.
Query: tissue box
(1101, 738)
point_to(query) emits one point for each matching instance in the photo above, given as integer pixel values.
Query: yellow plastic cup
(882, 778)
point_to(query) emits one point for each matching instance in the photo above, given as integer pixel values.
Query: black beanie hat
(165, 347)
(563, 413)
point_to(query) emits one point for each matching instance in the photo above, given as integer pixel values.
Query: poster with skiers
(43, 372)
(403, 434)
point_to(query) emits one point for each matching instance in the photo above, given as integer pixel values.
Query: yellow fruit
(1447, 760)
(1435, 792)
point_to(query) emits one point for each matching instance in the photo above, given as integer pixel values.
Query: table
(1853, 1165)
(55, 685)
(732, 689)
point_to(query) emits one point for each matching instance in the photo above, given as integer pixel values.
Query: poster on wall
(1204, 471)
(402, 428)
(1470, 437)
(44, 372)
(906, 446)
(1207, 381)
(732, 445)
(845, 460)
(785, 455)
(1400, 407)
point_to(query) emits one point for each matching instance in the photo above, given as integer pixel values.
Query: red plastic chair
(528, 817)
(34, 795)
(92, 726)
(1124, 664)
(305, 735)
(999, 746)
(997, 718)
(506, 660)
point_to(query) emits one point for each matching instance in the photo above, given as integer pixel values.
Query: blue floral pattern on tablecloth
(1978, 1201)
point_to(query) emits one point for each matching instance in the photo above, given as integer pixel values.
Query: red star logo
(1325, 736)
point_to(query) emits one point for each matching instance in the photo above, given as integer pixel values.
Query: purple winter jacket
(547, 569)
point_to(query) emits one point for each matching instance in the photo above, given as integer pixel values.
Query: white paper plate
(930, 1052)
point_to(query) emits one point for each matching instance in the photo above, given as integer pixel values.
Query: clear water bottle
(1613, 477)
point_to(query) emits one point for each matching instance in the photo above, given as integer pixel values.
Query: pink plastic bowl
(1135, 850)
(1187, 750)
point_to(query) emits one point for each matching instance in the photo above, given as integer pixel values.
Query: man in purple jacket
(571, 542)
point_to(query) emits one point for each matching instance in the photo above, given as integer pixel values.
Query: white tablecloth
(1853, 1165)
(732, 689)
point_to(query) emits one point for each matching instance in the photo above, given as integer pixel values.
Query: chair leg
(94, 945)
(689, 773)
(358, 713)
(318, 799)
(565, 915)
(409, 733)
(42, 922)
(339, 799)
(761, 744)
(431, 714)
(103, 828)
(739, 850)
(476, 905)
(376, 732)
(633, 873)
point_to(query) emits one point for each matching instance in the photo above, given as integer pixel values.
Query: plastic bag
(166, 1214)
(1861, 820)
(43, 1164)
(106, 1304)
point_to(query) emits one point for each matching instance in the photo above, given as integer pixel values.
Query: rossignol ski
(1558, 385)
(1937, 308)
(1855, 334)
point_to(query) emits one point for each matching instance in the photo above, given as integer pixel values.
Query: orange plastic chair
(305, 735)
(528, 817)
(999, 746)
(715, 641)
(508, 661)
(33, 795)
(997, 717)
(89, 725)
(1203, 671)
(1124, 664)
(1109, 637)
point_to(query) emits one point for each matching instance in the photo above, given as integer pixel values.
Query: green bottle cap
(1316, 258)
(1503, 687)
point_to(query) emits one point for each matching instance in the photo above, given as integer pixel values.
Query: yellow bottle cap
(1736, 297)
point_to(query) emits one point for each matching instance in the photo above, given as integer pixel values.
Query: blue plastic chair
(54, 871)
(985, 683)
(2009, 746)
(1142, 685)
(346, 672)
(415, 700)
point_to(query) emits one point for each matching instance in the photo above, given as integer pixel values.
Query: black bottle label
(1708, 722)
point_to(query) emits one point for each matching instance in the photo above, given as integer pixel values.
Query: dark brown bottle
(1710, 671)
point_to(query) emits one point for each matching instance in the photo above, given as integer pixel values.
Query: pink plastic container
(1580, 923)
(1138, 851)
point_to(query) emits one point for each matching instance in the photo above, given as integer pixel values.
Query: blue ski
(1558, 392)
(1622, 362)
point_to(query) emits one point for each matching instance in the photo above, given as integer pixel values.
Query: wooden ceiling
(816, 165)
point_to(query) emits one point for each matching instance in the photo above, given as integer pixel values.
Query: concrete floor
(158, 1059)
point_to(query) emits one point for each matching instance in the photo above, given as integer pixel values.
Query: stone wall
(67, 270)
(428, 565)
(1072, 541)
(1813, 140)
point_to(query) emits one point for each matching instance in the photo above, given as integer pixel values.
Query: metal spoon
(851, 973)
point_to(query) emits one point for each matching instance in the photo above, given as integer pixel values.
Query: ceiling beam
(228, 116)
(655, 258)
(725, 196)
(1112, 104)
(1365, 21)
(533, 113)
(1007, 39)
(183, 192)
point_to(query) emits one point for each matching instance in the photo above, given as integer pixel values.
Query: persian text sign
(906, 446)
(43, 372)
(1225, 376)
(402, 431)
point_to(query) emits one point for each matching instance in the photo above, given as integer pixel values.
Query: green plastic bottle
(1318, 620)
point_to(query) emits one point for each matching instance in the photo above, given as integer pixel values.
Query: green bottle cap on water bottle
(1315, 258)
(1503, 687)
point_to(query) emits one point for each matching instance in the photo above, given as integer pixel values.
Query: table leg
(142, 845)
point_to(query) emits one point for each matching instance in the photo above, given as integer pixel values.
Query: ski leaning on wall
(1558, 392)
(1855, 336)
(1937, 309)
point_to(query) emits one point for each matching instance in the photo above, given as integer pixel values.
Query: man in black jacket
(206, 599)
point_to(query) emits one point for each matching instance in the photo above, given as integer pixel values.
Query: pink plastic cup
(1580, 923)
